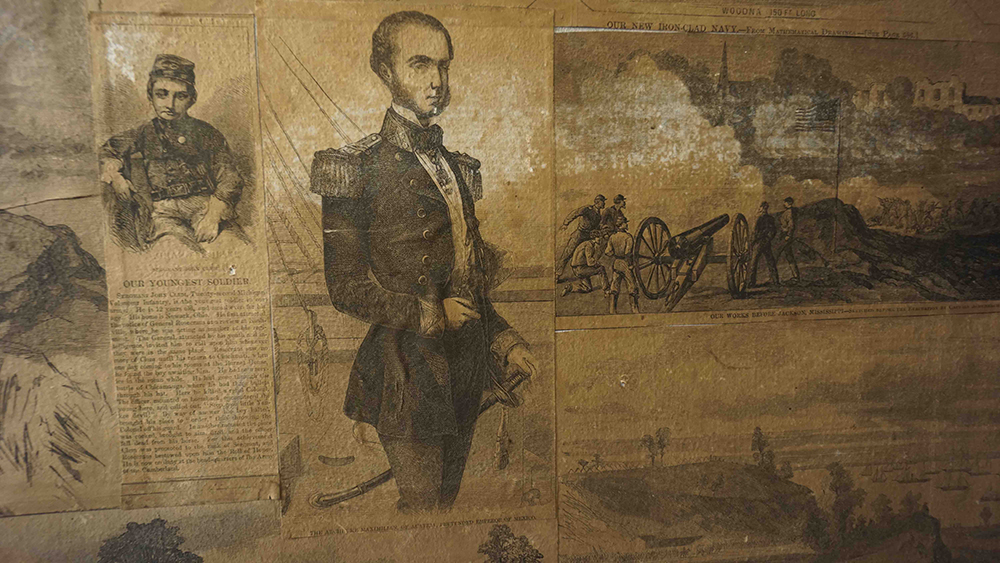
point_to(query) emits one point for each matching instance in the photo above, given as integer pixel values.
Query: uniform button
(413, 182)
(426, 234)
(421, 212)
(426, 260)
(399, 156)
(422, 280)
(181, 139)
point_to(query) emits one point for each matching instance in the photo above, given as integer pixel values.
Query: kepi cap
(174, 68)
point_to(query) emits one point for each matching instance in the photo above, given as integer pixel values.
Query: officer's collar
(407, 134)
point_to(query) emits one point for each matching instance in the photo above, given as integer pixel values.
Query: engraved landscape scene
(719, 444)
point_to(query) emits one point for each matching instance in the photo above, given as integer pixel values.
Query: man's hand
(111, 174)
(123, 188)
(207, 228)
(457, 312)
(520, 359)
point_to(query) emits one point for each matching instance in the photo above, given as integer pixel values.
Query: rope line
(306, 88)
(321, 89)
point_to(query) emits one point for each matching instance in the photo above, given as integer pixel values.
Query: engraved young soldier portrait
(403, 252)
(173, 176)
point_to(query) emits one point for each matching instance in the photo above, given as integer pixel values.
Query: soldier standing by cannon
(764, 231)
(587, 228)
(620, 247)
(787, 220)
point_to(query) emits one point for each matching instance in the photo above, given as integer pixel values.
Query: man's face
(788, 204)
(599, 203)
(418, 77)
(171, 99)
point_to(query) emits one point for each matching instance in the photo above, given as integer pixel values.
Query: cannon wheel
(651, 262)
(738, 258)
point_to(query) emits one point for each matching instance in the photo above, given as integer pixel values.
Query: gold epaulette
(468, 167)
(337, 172)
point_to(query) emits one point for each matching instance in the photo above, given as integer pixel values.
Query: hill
(634, 509)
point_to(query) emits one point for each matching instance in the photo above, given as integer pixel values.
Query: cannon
(667, 266)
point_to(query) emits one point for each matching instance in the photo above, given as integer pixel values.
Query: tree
(785, 471)
(662, 441)
(882, 510)
(767, 462)
(985, 515)
(649, 444)
(758, 445)
(900, 93)
(845, 498)
(816, 534)
(910, 504)
(503, 547)
(154, 542)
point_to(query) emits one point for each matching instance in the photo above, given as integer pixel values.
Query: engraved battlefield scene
(748, 173)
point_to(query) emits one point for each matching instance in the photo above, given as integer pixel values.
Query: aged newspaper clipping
(499, 281)
(175, 117)
(409, 185)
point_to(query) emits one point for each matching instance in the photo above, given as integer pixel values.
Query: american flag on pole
(819, 117)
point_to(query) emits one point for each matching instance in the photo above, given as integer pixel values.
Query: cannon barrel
(687, 243)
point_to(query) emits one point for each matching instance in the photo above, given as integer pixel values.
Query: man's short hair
(383, 40)
(764, 204)
(600, 197)
(789, 200)
(619, 198)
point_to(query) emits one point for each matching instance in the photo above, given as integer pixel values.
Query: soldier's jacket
(388, 259)
(180, 158)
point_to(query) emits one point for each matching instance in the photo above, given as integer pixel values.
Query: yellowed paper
(321, 105)
(177, 131)
(58, 412)
(250, 532)
(736, 178)
(855, 439)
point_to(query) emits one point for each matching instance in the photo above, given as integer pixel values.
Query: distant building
(873, 97)
(731, 88)
(950, 95)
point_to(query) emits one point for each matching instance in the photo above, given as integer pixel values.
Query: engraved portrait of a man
(403, 252)
(173, 177)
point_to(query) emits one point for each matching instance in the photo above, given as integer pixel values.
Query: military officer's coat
(389, 258)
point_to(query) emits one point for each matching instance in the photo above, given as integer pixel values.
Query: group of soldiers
(766, 229)
(600, 246)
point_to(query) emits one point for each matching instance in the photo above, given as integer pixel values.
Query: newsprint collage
(500, 281)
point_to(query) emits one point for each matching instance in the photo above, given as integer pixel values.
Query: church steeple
(724, 74)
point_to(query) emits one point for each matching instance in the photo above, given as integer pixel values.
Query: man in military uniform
(174, 175)
(788, 220)
(619, 249)
(764, 231)
(611, 215)
(588, 227)
(403, 253)
(585, 265)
